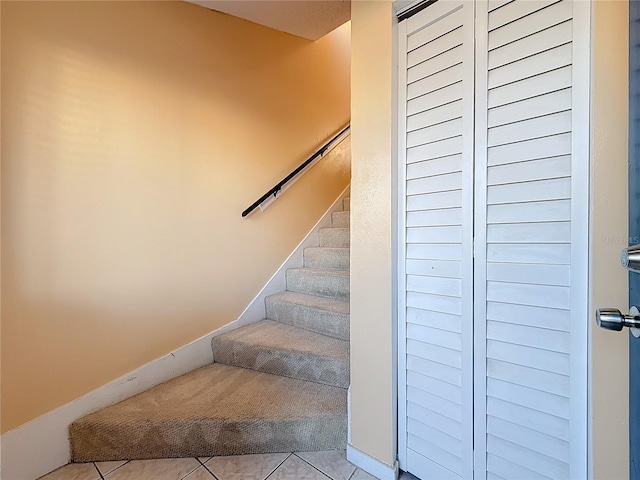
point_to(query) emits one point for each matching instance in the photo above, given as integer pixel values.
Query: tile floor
(273, 466)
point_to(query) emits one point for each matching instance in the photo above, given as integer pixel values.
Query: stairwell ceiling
(310, 19)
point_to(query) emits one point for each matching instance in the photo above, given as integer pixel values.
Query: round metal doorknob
(630, 258)
(613, 319)
(610, 318)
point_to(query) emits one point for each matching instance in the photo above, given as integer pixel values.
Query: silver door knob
(613, 319)
(630, 258)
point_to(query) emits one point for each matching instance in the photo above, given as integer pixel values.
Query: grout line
(206, 468)
(189, 473)
(99, 472)
(313, 466)
(278, 466)
(117, 468)
(199, 465)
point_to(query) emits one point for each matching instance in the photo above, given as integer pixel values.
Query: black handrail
(415, 9)
(276, 188)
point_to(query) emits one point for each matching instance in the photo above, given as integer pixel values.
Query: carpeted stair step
(326, 257)
(282, 349)
(340, 219)
(215, 410)
(327, 316)
(334, 237)
(322, 282)
(346, 204)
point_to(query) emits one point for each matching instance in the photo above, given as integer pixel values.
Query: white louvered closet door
(493, 350)
(531, 232)
(438, 183)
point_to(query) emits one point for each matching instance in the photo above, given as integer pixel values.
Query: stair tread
(269, 334)
(341, 219)
(204, 392)
(321, 271)
(334, 237)
(339, 250)
(328, 316)
(333, 283)
(312, 301)
(335, 258)
(206, 403)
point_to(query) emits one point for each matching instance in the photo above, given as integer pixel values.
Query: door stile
(469, 165)
(402, 245)
(580, 185)
(480, 241)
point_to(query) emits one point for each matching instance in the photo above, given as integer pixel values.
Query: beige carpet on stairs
(277, 386)
(215, 410)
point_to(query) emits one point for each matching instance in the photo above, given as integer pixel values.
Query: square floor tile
(245, 467)
(162, 469)
(200, 473)
(295, 468)
(362, 475)
(74, 471)
(107, 467)
(332, 463)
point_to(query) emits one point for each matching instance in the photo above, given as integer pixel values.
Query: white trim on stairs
(42, 445)
(371, 465)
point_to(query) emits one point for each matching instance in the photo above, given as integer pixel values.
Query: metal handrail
(278, 186)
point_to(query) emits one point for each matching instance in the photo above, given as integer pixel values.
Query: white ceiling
(310, 19)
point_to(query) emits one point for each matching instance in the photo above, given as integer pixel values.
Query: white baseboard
(371, 465)
(42, 445)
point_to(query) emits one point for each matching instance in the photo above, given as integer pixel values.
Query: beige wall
(609, 236)
(371, 269)
(134, 134)
(372, 408)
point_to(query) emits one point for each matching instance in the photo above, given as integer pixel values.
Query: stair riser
(323, 257)
(346, 204)
(314, 368)
(321, 321)
(334, 237)
(340, 219)
(205, 438)
(332, 286)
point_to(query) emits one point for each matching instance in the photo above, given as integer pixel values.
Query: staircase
(278, 385)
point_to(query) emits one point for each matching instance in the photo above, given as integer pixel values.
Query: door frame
(608, 375)
(634, 234)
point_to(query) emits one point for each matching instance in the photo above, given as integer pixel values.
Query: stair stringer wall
(49, 433)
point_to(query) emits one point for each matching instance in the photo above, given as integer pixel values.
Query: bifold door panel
(439, 220)
(492, 341)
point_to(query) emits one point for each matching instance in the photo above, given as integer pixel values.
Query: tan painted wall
(371, 270)
(610, 232)
(134, 134)
(372, 408)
